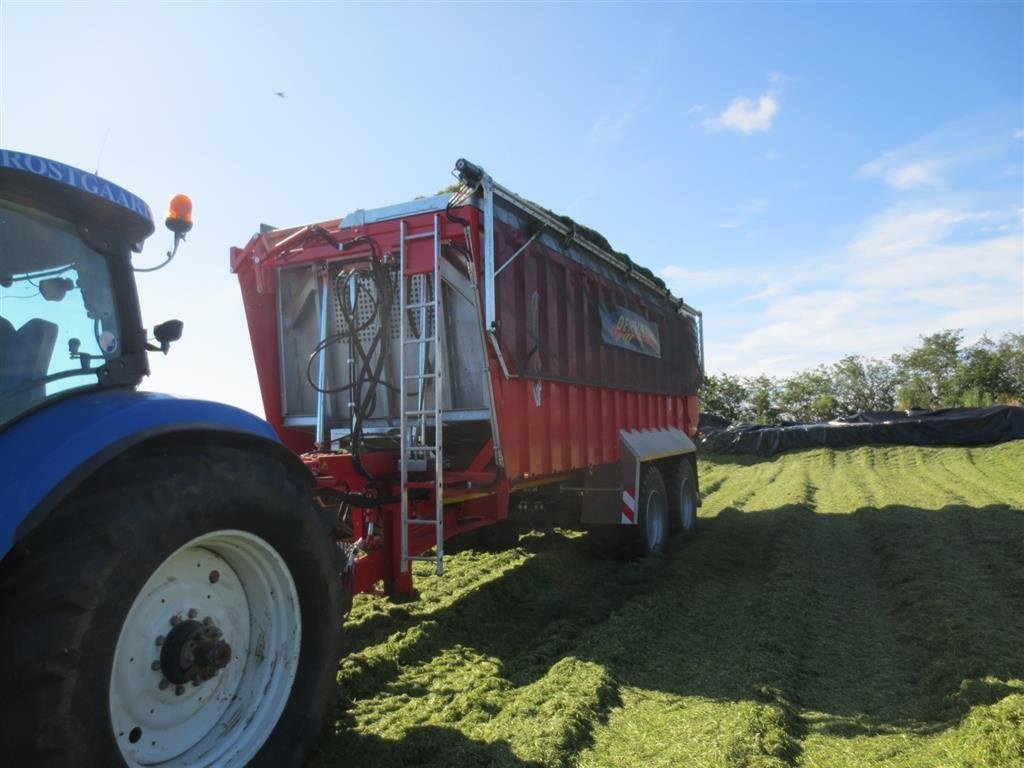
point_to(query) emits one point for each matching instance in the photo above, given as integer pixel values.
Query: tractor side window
(58, 322)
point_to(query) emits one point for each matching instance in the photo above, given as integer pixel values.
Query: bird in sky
(279, 93)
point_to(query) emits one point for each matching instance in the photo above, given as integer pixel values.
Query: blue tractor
(170, 594)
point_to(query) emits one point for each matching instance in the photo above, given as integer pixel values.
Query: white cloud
(902, 173)
(941, 257)
(747, 115)
(730, 224)
(771, 155)
(1018, 134)
(906, 272)
(696, 109)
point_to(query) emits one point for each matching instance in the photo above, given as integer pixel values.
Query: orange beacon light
(179, 215)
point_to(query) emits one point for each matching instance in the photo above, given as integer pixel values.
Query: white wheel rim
(242, 585)
(655, 518)
(689, 506)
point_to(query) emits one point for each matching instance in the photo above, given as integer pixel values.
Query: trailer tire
(650, 532)
(80, 598)
(682, 497)
(652, 523)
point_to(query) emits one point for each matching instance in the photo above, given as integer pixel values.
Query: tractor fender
(47, 454)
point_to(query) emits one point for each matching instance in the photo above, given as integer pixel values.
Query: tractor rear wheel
(180, 608)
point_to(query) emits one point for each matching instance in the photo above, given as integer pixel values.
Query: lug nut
(208, 620)
(214, 577)
(160, 640)
(165, 684)
(155, 665)
(175, 619)
(179, 689)
(192, 613)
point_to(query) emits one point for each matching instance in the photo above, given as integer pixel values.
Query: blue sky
(820, 179)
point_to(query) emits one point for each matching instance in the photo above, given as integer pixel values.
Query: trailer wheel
(650, 532)
(178, 609)
(653, 521)
(682, 497)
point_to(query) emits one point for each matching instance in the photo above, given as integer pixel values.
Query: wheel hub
(209, 616)
(193, 652)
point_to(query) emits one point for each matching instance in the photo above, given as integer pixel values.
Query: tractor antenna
(103, 145)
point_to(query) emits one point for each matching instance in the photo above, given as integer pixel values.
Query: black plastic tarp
(950, 426)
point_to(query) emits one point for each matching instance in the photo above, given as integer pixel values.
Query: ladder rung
(415, 448)
(425, 340)
(423, 521)
(420, 376)
(422, 305)
(420, 413)
(424, 558)
(420, 484)
(420, 236)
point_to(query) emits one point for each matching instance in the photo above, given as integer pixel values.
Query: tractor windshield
(58, 322)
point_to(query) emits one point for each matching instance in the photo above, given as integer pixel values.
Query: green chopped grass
(861, 607)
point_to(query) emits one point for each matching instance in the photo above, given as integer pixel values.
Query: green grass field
(861, 607)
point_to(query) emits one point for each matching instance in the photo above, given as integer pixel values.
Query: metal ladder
(416, 451)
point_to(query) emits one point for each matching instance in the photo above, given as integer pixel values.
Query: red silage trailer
(443, 363)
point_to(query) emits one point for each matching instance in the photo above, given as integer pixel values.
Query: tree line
(941, 372)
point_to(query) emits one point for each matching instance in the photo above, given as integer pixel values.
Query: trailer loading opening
(443, 363)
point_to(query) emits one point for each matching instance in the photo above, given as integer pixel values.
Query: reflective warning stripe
(628, 516)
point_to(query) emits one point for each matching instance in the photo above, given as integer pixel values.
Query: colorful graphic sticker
(628, 330)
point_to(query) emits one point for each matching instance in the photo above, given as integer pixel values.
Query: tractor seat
(6, 334)
(25, 355)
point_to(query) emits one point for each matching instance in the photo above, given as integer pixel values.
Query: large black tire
(650, 533)
(66, 591)
(681, 485)
(652, 522)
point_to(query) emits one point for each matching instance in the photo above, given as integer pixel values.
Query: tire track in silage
(854, 668)
(935, 586)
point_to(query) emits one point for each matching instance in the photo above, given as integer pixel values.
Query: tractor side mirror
(166, 333)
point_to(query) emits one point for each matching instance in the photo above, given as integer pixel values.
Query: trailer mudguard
(613, 497)
(48, 453)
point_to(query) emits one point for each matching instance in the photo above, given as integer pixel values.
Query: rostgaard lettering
(76, 178)
(35, 164)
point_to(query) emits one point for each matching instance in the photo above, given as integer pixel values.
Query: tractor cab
(69, 312)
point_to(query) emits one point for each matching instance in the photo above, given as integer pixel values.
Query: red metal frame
(574, 427)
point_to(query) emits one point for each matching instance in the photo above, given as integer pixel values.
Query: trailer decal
(622, 328)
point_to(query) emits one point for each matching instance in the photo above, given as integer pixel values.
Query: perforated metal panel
(366, 307)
